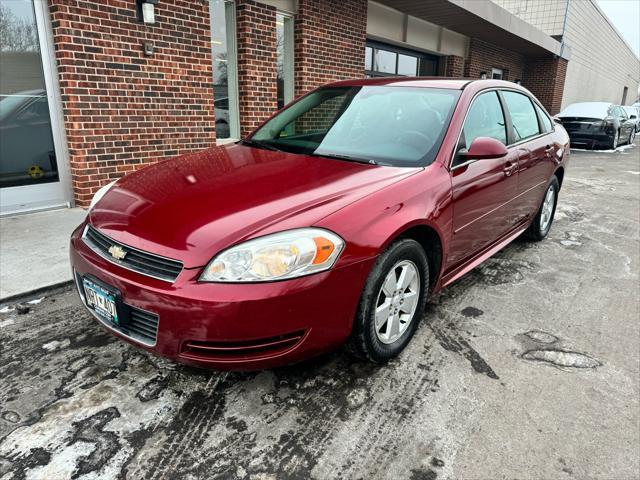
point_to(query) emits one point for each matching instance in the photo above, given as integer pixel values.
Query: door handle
(549, 150)
(510, 168)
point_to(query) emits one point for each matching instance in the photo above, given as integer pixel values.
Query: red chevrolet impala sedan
(329, 224)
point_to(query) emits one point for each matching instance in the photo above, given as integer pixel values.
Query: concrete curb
(35, 292)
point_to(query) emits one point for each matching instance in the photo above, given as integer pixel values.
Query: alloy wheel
(397, 301)
(547, 209)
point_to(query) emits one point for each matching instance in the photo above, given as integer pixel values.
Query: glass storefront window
(368, 60)
(407, 65)
(223, 53)
(284, 48)
(383, 59)
(27, 153)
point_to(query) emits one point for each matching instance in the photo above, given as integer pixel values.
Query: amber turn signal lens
(324, 249)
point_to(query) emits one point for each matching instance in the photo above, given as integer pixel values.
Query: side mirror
(632, 117)
(484, 148)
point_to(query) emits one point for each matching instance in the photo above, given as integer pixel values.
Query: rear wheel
(541, 224)
(615, 140)
(392, 302)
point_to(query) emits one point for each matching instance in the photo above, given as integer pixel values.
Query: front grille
(142, 262)
(242, 350)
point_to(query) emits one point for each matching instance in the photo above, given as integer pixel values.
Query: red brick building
(94, 89)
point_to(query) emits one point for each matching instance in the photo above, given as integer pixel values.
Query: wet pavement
(528, 368)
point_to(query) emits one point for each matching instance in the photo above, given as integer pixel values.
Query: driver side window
(484, 119)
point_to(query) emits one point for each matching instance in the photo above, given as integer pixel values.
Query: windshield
(399, 126)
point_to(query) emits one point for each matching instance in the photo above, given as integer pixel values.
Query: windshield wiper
(348, 158)
(257, 144)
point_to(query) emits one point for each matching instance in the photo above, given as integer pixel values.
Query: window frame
(288, 57)
(464, 121)
(511, 135)
(451, 167)
(499, 71)
(232, 69)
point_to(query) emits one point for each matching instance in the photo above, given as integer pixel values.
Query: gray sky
(625, 15)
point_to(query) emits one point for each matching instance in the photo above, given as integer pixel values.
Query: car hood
(191, 207)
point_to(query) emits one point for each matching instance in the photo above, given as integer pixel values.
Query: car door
(482, 189)
(625, 124)
(531, 139)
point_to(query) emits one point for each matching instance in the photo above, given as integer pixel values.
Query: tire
(543, 220)
(376, 343)
(615, 140)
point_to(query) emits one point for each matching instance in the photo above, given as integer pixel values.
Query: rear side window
(523, 115)
(547, 126)
(485, 119)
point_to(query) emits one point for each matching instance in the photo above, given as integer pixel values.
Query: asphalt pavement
(526, 368)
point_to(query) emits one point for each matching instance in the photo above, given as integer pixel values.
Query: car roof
(426, 82)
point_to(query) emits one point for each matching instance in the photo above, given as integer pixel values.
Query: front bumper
(232, 326)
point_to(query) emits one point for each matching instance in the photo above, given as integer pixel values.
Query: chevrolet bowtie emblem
(117, 252)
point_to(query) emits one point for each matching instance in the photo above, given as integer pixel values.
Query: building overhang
(484, 20)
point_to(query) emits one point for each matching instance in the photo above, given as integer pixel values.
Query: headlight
(100, 193)
(289, 254)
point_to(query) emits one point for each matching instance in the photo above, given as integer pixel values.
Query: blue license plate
(100, 301)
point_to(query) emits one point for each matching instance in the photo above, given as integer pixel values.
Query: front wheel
(392, 302)
(541, 224)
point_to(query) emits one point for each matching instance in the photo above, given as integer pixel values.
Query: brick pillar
(454, 66)
(121, 109)
(257, 63)
(330, 38)
(544, 78)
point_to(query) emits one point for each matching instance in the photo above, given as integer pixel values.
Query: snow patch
(7, 322)
(56, 345)
(36, 301)
(6, 309)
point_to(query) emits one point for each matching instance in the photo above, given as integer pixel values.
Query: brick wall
(454, 66)
(483, 56)
(545, 79)
(257, 63)
(330, 37)
(123, 110)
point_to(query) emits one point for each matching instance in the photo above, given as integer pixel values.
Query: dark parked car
(330, 223)
(597, 125)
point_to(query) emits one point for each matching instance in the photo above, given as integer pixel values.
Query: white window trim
(498, 71)
(288, 56)
(232, 70)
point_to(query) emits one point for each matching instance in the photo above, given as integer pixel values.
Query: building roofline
(473, 17)
(608, 20)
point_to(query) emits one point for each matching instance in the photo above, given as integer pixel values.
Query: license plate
(101, 301)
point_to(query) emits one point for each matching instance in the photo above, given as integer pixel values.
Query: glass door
(30, 173)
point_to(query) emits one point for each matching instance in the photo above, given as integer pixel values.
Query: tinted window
(485, 119)
(391, 125)
(523, 116)
(547, 125)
